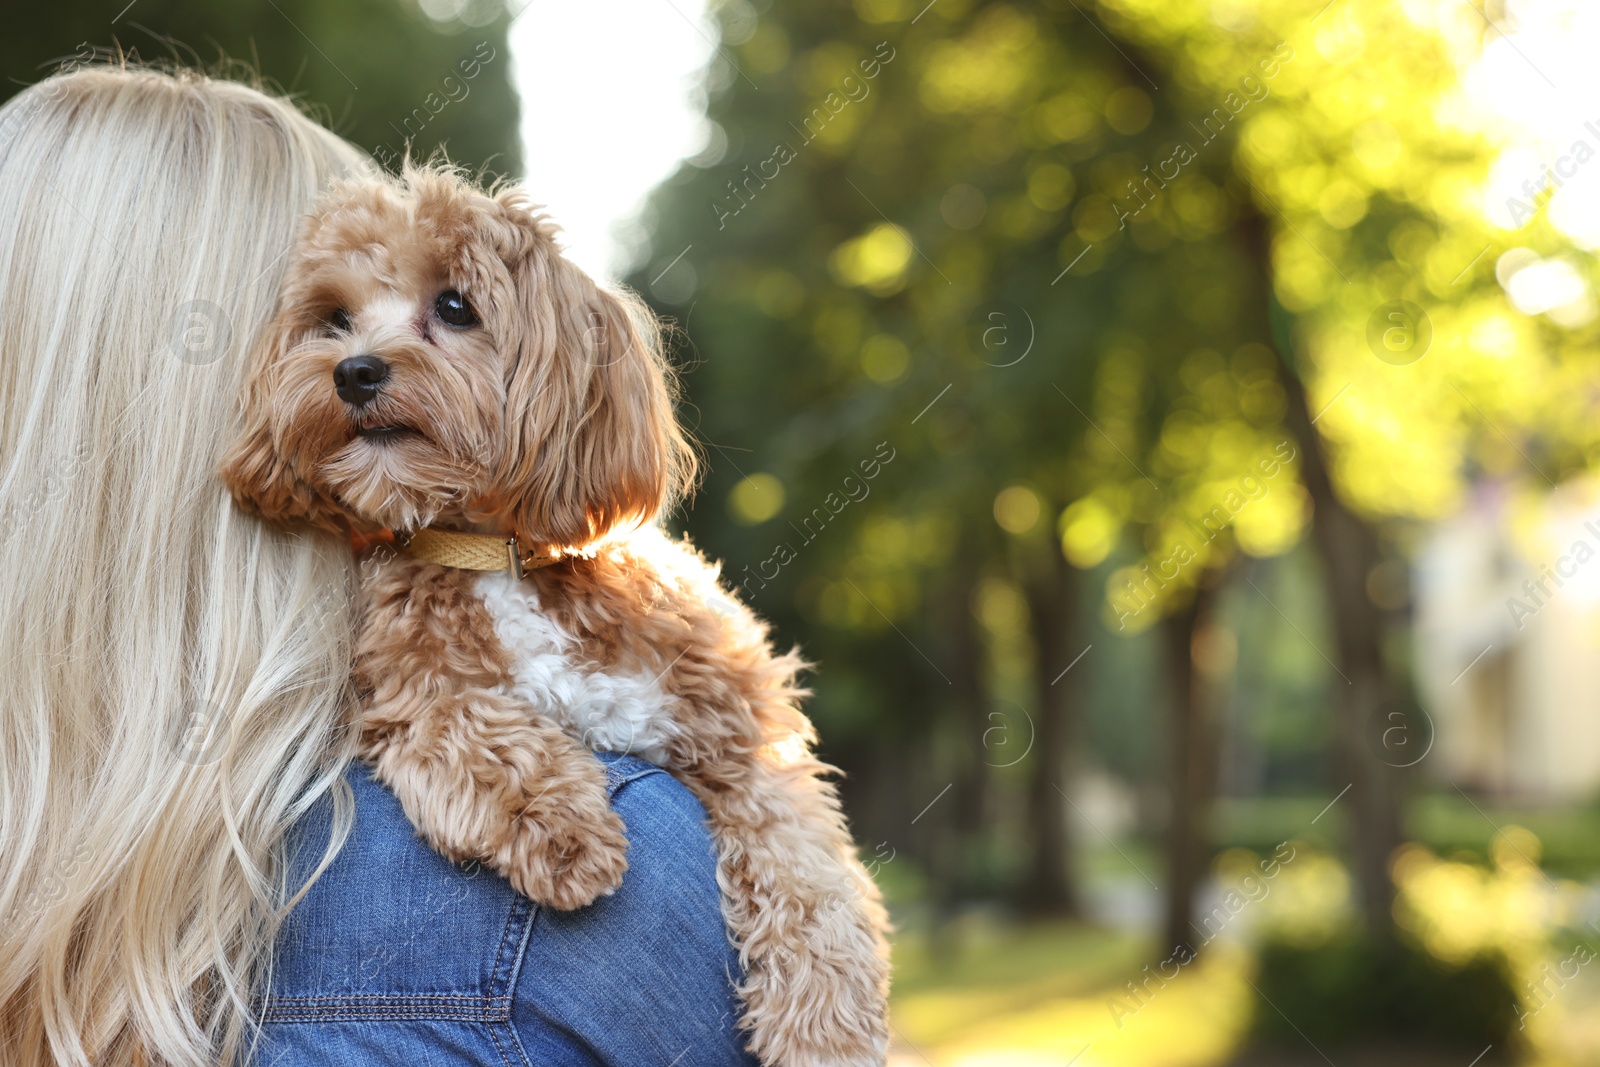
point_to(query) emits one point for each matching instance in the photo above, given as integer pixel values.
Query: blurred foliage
(1450, 982)
(1348, 991)
(966, 136)
(1569, 838)
(1042, 256)
(1049, 256)
(380, 73)
(1478, 965)
(904, 244)
(1446, 823)
(1382, 161)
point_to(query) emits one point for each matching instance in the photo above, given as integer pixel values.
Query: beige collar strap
(474, 551)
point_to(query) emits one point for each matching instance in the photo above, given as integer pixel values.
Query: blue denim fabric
(397, 956)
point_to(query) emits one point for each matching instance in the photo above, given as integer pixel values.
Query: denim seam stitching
(505, 935)
(356, 1013)
(636, 769)
(379, 998)
(382, 1007)
(515, 975)
(495, 1037)
(383, 1017)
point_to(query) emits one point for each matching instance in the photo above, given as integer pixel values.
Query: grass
(979, 972)
(1570, 839)
(1020, 997)
(1448, 823)
(987, 994)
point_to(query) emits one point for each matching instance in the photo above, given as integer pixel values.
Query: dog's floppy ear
(593, 441)
(256, 470)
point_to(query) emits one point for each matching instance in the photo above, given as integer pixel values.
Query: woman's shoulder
(394, 932)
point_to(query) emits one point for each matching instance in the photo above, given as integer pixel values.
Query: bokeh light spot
(756, 499)
(1016, 509)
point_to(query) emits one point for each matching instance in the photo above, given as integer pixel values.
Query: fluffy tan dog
(439, 370)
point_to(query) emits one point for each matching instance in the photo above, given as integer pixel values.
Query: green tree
(380, 73)
(913, 237)
(1370, 173)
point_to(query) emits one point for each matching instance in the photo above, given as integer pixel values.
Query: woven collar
(474, 551)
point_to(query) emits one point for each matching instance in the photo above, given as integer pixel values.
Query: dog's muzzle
(357, 379)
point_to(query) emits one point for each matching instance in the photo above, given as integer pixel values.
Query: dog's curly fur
(550, 417)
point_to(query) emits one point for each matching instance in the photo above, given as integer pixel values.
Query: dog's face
(435, 357)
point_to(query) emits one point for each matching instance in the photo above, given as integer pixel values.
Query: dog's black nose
(356, 379)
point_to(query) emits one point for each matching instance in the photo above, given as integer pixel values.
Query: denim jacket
(397, 956)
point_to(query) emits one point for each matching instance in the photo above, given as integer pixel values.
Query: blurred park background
(1168, 425)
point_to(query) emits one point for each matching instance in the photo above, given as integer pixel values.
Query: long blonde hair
(173, 688)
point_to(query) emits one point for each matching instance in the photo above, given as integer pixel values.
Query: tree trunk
(1348, 548)
(1053, 603)
(1052, 594)
(1192, 759)
(962, 835)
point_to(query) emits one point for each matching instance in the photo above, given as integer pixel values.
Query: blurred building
(1508, 644)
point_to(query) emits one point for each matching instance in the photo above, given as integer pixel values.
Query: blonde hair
(173, 689)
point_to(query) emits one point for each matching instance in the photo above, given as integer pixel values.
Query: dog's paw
(566, 861)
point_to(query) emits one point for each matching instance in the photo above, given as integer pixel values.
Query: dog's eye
(453, 309)
(338, 319)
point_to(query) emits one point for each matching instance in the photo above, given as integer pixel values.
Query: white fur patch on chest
(606, 711)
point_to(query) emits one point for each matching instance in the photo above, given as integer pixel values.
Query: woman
(173, 768)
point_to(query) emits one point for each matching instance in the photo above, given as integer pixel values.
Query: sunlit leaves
(876, 260)
(1089, 531)
(1395, 146)
(995, 65)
